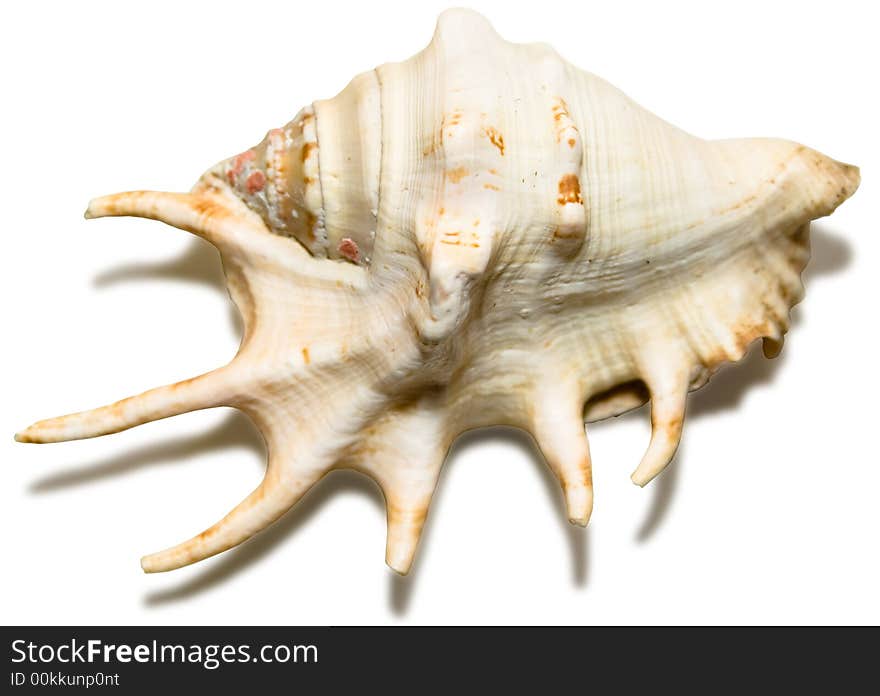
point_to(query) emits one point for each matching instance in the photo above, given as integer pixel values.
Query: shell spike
(205, 391)
(405, 523)
(668, 400)
(404, 455)
(209, 214)
(558, 428)
(408, 492)
(271, 499)
(464, 25)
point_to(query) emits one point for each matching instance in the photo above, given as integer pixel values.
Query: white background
(769, 513)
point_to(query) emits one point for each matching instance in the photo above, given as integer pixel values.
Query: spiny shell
(480, 235)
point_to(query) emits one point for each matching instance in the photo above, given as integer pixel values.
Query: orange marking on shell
(349, 249)
(453, 118)
(311, 224)
(569, 190)
(457, 174)
(306, 358)
(276, 166)
(307, 150)
(559, 234)
(431, 148)
(209, 209)
(238, 163)
(491, 187)
(564, 123)
(495, 138)
(255, 182)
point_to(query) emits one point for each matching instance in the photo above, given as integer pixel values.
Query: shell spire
(480, 235)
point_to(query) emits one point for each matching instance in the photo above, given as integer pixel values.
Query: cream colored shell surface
(480, 235)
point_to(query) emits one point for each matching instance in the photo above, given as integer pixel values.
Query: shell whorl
(480, 235)
(317, 178)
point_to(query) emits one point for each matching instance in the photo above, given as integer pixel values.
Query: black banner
(327, 660)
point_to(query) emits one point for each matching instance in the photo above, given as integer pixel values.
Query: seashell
(480, 235)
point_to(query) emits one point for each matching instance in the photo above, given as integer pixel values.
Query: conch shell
(480, 235)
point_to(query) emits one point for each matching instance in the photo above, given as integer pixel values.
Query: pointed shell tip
(26, 435)
(640, 479)
(401, 568)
